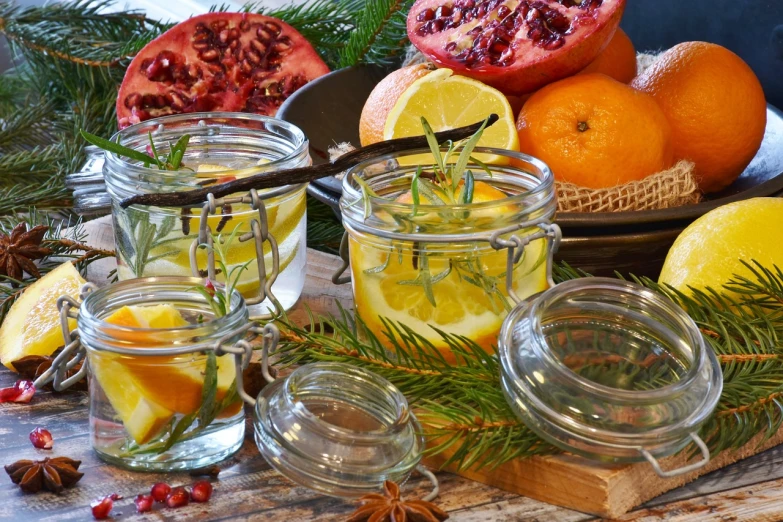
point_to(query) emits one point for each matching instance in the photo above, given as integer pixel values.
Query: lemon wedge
(147, 391)
(449, 101)
(32, 326)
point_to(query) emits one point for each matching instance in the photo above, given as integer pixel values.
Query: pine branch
(380, 35)
(324, 230)
(466, 414)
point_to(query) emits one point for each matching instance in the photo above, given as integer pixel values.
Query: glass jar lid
(609, 370)
(337, 429)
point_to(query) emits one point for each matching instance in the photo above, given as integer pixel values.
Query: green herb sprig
(446, 184)
(220, 300)
(171, 161)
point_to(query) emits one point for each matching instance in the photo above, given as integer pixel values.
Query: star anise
(20, 248)
(388, 507)
(52, 474)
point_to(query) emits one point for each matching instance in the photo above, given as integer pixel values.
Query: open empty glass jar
(458, 268)
(611, 371)
(154, 241)
(161, 397)
(337, 429)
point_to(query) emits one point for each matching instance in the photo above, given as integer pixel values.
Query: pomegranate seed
(201, 491)
(21, 391)
(143, 503)
(101, 508)
(116, 496)
(160, 491)
(177, 498)
(41, 438)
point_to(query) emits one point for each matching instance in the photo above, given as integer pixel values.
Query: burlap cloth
(674, 187)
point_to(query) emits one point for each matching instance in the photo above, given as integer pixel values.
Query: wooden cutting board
(563, 480)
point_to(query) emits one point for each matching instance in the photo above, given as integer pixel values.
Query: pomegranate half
(238, 62)
(516, 46)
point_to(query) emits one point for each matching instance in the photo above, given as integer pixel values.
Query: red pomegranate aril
(504, 11)
(161, 490)
(426, 15)
(143, 503)
(442, 11)
(101, 508)
(177, 498)
(41, 439)
(201, 491)
(21, 391)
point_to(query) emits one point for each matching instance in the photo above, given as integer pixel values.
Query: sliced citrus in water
(173, 257)
(146, 391)
(449, 101)
(32, 326)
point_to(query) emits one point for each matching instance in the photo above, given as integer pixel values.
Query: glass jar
(153, 241)
(457, 268)
(161, 399)
(338, 429)
(610, 370)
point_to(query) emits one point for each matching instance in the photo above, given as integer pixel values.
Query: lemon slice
(32, 326)
(449, 101)
(147, 391)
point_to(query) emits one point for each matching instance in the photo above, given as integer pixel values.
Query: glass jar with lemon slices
(163, 376)
(440, 252)
(155, 241)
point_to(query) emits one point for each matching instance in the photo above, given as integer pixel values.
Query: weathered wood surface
(248, 490)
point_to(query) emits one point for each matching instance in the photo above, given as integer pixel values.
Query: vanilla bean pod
(301, 175)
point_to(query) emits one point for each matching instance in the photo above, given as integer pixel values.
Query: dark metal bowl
(328, 111)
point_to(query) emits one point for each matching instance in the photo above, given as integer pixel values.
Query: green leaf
(433, 143)
(464, 156)
(415, 190)
(209, 391)
(367, 193)
(118, 149)
(434, 194)
(481, 164)
(466, 196)
(179, 429)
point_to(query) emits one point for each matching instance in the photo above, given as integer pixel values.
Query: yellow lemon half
(448, 101)
(708, 252)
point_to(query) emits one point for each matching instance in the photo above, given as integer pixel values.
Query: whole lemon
(709, 251)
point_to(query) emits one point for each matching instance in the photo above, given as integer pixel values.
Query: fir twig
(467, 416)
(380, 35)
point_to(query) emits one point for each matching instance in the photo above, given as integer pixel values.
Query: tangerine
(715, 105)
(595, 132)
(617, 60)
(383, 98)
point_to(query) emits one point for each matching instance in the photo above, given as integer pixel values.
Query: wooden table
(247, 489)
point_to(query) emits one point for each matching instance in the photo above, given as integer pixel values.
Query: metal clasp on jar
(515, 245)
(73, 352)
(259, 233)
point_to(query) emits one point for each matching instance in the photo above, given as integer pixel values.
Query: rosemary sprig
(172, 161)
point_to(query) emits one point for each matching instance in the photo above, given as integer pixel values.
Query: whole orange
(382, 100)
(595, 132)
(715, 105)
(617, 60)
